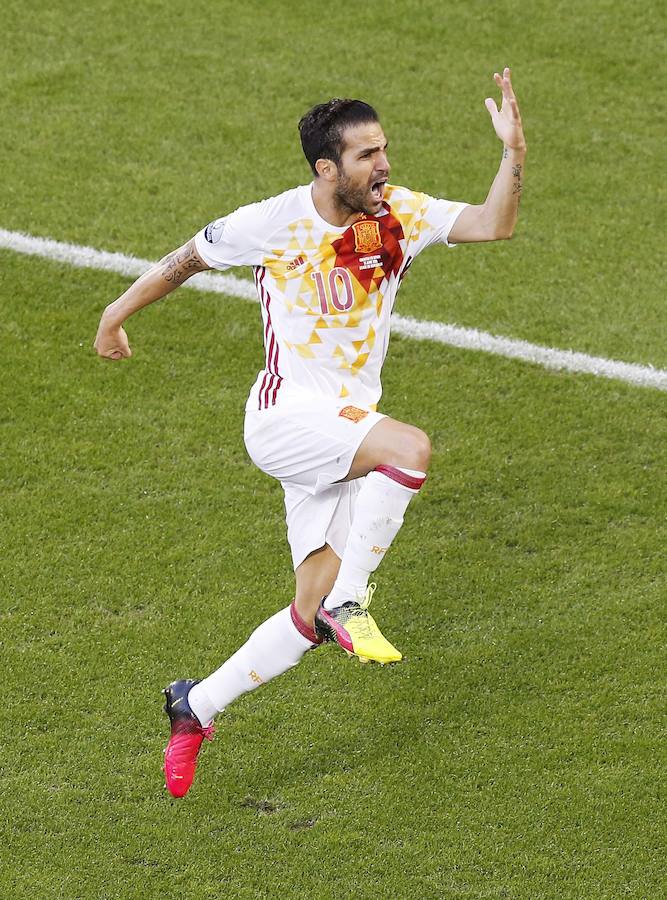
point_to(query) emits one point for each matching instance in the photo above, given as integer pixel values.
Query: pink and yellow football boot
(354, 629)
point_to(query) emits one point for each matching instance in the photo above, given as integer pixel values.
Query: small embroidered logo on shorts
(256, 678)
(353, 413)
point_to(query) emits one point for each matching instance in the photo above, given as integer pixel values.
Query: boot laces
(360, 613)
(370, 590)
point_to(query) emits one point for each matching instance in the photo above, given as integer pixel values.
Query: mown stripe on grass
(438, 332)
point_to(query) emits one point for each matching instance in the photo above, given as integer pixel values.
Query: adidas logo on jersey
(299, 261)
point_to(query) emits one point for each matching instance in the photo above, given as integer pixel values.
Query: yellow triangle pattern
(302, 302)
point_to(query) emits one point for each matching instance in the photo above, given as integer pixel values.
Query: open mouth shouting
(377, 189)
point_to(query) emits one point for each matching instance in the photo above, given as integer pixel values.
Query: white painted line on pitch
(89, 258)
(548, 357)
(453, 335)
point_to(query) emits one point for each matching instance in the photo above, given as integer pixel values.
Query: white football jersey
(326, 292)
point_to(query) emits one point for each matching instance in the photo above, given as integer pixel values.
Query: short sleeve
(438, 220)
(233, 240)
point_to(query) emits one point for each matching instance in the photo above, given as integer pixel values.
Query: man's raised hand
(507, 119)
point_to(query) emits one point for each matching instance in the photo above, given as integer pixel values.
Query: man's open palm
(507, 119)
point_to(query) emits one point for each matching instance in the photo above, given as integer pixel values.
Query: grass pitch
(517, 752)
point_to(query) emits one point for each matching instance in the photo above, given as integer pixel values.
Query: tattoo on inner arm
(518, 186)
(181, 264)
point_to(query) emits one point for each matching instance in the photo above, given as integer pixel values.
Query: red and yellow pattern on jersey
(326, 292)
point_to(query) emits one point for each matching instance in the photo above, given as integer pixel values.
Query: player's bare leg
(394, 458)
(315, 578)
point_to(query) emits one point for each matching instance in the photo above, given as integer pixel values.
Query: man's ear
(326, 169)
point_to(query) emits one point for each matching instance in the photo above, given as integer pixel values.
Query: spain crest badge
(353, 413)
(367, 236)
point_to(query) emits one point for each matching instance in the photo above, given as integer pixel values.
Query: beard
(353, 197)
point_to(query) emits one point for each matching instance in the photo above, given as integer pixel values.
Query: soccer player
(328, 259)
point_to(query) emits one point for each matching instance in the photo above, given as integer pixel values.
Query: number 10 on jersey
(340, 294)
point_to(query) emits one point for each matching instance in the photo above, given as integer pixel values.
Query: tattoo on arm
(518, 186)
(178, 266)
(506, 153)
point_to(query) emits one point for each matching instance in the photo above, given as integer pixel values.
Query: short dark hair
(322, 128)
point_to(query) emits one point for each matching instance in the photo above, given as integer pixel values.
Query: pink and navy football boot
(187, 736)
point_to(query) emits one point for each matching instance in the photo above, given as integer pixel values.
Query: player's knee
(421, 450)
(412, 450)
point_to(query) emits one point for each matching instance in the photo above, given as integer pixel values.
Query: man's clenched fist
(111, 341)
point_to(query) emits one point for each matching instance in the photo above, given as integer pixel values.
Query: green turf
(518, 750)
(131, 129)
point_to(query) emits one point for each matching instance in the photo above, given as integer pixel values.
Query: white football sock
(273, 648)
(378, 516)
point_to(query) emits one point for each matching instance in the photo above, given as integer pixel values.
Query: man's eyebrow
(373, 149)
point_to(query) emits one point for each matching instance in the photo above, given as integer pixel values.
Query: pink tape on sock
(401, 477)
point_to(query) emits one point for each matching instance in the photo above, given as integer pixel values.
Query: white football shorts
(309, 445)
